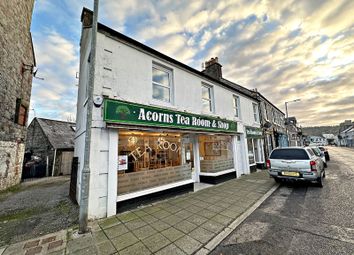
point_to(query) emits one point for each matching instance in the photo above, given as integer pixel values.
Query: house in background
(273, 125)
(17, 61)
(346, 137)
(294, 132)
(52, 143)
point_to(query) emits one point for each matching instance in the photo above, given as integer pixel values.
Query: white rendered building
(162, 124)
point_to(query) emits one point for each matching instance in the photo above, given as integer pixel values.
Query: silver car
(296, 163)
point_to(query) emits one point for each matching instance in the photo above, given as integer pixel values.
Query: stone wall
(38, 144)
(130, 182)
(214, 166)
(11, 157)
(15, 83)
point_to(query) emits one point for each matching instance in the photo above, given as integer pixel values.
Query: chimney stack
(213, 68)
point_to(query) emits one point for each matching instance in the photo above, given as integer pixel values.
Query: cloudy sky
(286, 49)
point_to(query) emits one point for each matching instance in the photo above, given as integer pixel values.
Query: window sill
(158, 103)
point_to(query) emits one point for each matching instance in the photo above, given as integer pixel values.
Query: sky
(287, 50)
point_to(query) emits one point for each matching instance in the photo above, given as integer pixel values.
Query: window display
(215, 153)
(251, 156)
(145, 150)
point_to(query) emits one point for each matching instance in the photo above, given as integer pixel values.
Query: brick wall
(15, 50)
(214, 166)
(130, 182)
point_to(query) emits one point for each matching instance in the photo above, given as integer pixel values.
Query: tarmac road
(302, 218)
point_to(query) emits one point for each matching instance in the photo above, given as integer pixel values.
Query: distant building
(53, 142)
(331, 139)
(17, 61)
(346, 137)
(317, 140)
(345, 125)
(294, 132)
(273, 125)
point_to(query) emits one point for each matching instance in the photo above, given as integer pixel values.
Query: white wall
(125, 73)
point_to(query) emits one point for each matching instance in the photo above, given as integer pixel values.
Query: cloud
(287, 50)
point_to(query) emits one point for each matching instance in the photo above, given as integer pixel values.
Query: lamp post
(286, 106)
(287, 116)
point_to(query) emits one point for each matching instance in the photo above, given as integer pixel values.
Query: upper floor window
(161, 83)
(265, 111)
(207, 98)
(20, 113)
(236, 102)
(255, 112)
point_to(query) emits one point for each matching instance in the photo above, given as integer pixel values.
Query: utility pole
(85, 174)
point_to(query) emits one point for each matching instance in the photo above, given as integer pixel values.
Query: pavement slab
(180, 225)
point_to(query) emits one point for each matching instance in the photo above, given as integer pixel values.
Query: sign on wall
(116, 111)
(253, 132)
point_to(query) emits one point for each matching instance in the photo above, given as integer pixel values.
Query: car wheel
(324, 174)
(325, 165)
(327, 158)
(320, 181)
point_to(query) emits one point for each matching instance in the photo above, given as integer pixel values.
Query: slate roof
(59, 133)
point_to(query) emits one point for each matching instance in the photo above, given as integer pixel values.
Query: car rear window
(289, 154)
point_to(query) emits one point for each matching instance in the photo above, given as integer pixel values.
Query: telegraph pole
(85, 174)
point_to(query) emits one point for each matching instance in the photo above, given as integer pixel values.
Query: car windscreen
(289, 154)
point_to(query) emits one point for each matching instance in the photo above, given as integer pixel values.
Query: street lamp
(286, 107)
(287, 117)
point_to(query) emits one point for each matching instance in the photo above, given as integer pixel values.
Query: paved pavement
(187, 224)
(302, 219)
(36, 208)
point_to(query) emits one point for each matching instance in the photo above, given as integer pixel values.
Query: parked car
(325, 151)
(320, 154)
(296, 163)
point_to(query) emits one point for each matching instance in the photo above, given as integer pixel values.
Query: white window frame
(236, 106)
(255, 112)
(170, 81)
(211, 99)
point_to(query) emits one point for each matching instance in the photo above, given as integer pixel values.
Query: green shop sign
(253, 132)
(116, 111)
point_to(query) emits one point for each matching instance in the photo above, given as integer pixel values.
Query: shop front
(161, 149)
(255, 148)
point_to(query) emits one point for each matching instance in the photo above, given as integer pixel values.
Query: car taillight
(313, 165)
(268, 163)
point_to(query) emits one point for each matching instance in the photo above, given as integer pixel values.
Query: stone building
(52, 141)
(17, 61)
(273, 125)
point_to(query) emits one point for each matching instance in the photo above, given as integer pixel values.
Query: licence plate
(294, 174)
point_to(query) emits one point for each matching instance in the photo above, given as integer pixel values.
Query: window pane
(206, 105)
(206, 92)
(289, 154)
(236, 103)
(255, 141)
(250, 151)
(160, 76)
(161, 93)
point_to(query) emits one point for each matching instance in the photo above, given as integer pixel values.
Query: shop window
(147, 160)
(216, 153)
(207, 98)
(251, 154)
(236, 102)
(161, 83)
(20, 113)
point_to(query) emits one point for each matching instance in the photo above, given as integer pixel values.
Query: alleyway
(36, 208)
